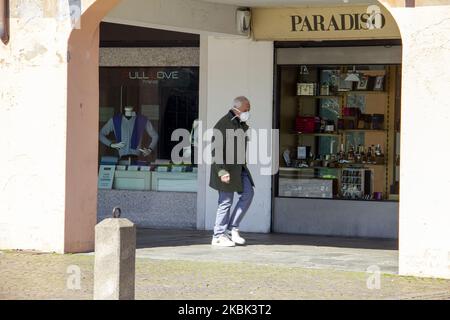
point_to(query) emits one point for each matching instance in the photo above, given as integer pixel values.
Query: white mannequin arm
(153, 134)
(106, 130)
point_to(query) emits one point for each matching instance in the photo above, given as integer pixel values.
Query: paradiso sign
(324, 23)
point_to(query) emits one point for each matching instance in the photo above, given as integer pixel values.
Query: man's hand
(117, 146)
(225, 178)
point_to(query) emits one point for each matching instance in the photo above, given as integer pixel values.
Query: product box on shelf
(351, 112)
(305, 188)
(365, 121)
(378, 121)
(303, 152)
(306, 89)
(356, 183)
(307, 124)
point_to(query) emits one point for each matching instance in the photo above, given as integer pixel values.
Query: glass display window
(159, 100)
(339, 128)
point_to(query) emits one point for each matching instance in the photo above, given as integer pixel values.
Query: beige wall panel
(149, 57)
(340, 55)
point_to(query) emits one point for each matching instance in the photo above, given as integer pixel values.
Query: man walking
(229, 174)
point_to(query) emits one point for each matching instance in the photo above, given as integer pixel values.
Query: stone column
(424, 220)
(115, 254)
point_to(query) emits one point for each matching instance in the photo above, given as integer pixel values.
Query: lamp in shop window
(4, 21)
(352, 76)
(304, 70)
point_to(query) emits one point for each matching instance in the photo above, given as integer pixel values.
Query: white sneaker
(222, 241)
(236, 238)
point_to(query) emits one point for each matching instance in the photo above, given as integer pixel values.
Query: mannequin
(128, 128)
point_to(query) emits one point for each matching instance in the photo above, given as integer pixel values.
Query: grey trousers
(225, 220)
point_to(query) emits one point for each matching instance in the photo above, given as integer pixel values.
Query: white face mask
(244, 116)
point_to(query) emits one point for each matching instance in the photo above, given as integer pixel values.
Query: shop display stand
(310, 105)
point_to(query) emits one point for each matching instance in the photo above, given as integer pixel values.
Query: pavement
(318, 252)
(181, 265)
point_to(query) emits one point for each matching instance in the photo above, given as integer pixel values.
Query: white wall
(33, 127)
(424, 234)
(229, 68)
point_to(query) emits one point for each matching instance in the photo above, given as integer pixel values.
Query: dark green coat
(234, 168)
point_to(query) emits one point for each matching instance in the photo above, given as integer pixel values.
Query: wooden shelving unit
(311, 105)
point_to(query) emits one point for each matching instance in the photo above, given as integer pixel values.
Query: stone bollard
(115, 254)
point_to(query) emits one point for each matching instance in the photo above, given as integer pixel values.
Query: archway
(424, 42)
(81, 185)
(82, 123)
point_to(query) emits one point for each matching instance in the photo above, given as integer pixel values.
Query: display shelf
(344, 93)
(318, 134)
(305, 168)
(322, 143)
(345, 166)
(312, 178)
(364, 130)
(340, 132)
(321, 97)
(365, 92)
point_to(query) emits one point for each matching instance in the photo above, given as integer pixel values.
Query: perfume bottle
(363, 155)
(359, 153)
(325, 89)
(369, 155)
(341, 155)
(323, 124)
(378, 150)
(351, 153)
(373, 155)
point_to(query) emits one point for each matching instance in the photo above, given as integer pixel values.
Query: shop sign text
(160, 75)
(372, 19)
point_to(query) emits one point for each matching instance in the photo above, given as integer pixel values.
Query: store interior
(160, 98)
(339, 131)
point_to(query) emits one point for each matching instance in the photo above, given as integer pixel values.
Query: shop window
(4, 21)
(165, 97)
(339, 131)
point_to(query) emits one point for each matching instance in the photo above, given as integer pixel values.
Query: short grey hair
(237, 102)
